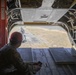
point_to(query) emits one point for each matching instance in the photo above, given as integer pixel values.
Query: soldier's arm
(17, 61)
(20, 65)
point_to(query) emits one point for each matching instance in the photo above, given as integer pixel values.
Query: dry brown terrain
(37, 37)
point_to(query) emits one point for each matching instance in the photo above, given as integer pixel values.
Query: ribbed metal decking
(50, 66)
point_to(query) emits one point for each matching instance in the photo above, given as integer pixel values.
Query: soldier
(10, 57)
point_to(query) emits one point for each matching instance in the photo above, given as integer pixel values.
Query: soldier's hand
(38, 63)
(37, 66)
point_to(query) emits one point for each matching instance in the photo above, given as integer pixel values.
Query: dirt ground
(36, 37)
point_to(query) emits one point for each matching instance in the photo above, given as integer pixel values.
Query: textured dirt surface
(36, 37)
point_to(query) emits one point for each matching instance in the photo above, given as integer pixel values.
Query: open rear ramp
(49, 66)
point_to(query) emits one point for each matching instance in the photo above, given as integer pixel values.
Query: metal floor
(50, 66)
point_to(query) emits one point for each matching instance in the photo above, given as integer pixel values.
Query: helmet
(16, 37)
